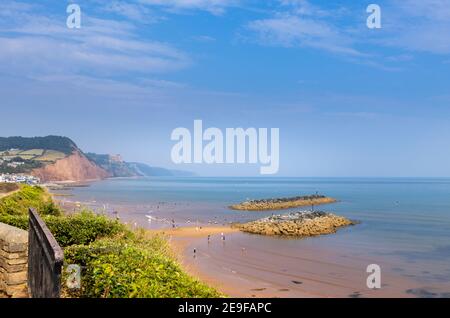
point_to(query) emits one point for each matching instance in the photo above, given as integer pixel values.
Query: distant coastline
(59, 159)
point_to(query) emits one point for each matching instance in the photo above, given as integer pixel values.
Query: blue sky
(349, 101)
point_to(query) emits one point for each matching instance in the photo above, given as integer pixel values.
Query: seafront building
(19, 178)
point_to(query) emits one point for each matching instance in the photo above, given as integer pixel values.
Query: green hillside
(56, 143)
(22, 154)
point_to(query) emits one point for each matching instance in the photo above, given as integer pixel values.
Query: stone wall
(13, 261)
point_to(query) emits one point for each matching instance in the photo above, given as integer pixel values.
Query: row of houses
(13, 164)
(19, 178)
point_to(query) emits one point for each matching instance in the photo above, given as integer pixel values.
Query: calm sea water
(406, 220)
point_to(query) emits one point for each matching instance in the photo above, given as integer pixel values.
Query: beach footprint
(356, 294)
(427, 293)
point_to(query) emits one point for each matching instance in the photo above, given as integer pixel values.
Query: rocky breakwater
(298, 224)
(282, 203)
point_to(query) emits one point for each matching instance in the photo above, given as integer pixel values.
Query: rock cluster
(298, 224)
(282, 203)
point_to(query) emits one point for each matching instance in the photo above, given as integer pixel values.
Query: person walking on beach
(195, 252)
(209, 239)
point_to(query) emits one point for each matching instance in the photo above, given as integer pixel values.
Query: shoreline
(317, 267)
(182, 240)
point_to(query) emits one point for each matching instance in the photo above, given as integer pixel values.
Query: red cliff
(75, 167)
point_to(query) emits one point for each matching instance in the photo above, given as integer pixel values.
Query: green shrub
(20, 221)
(81, 228)
(35, 197)
(132, 268)
(116, 262)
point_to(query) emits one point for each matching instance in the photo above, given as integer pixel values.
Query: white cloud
(299, 31)
(304, 7)
(32, 44)
(431, 39)
(216, 7)
(299, 23)
(431, 9)
(400, 58)
(204, 38)
(418, 26)
(135, 12)
(409, 25)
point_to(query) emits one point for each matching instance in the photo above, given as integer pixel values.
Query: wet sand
(242, 267)
(182, 237)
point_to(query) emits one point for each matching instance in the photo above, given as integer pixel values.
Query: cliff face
(117, 167)
(75, 167)
(114, 164)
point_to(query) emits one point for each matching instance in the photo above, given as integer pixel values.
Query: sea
(403, 222)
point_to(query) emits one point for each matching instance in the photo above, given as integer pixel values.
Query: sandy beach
(182, 237)
(239, 268)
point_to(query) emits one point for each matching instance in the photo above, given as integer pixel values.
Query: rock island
(282, 203)
(298, 224)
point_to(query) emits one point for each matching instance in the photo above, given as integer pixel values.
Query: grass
(8, 187)
(34, 154)
(27, 197)
(116, 262)
(10, 153)
(51, 155)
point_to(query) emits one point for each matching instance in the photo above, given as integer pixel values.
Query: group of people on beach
(222, 238)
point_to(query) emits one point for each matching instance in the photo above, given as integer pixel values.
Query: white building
(19, 178)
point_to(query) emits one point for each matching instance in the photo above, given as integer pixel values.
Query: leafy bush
(20, 221)
(132, 268)
(81, 228)
(116, 262)
(36, 197)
